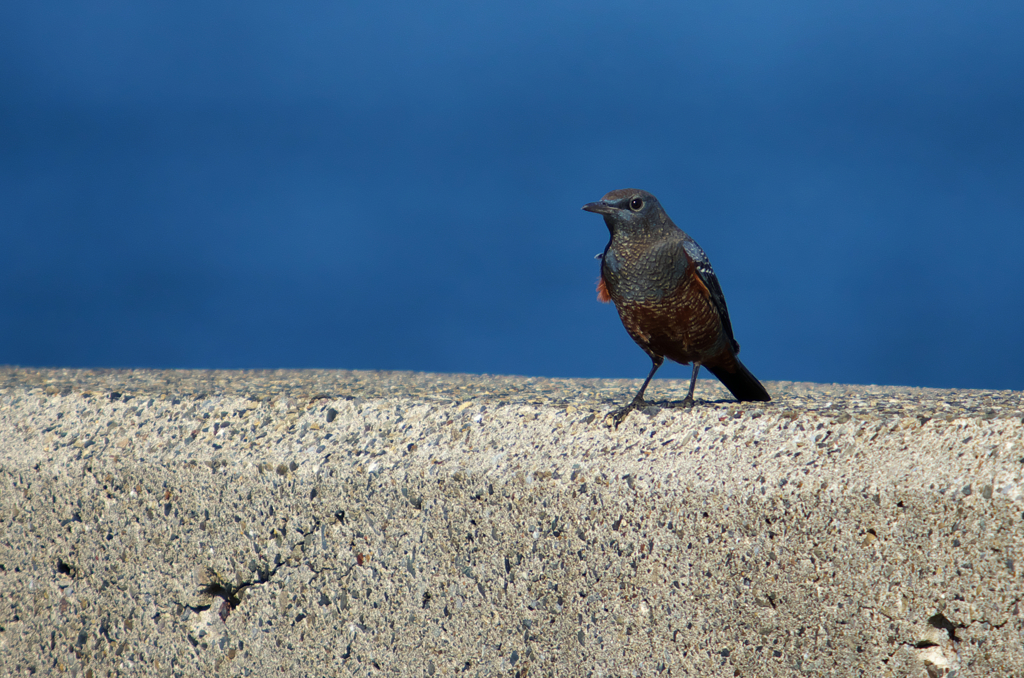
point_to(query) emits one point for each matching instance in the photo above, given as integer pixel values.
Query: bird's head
(629, 211)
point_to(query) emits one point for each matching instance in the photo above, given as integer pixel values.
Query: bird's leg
(638, 400)
(688, 400)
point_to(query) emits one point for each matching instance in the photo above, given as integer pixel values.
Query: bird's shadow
(652, 407)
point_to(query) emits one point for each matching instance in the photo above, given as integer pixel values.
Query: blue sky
(397, 185)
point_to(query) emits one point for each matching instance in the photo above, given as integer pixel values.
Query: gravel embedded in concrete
(413, 524)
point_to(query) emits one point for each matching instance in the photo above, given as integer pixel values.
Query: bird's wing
(702, 264)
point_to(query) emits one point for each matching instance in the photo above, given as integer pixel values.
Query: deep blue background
(397, 185)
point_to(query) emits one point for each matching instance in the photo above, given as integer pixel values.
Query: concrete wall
(347, 523)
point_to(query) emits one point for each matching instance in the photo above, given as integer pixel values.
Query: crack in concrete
(231, 596)
(1012, 606)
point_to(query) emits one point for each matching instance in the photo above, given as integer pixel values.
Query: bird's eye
(636, 204)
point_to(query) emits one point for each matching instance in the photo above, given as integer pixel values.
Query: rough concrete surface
(399, 524)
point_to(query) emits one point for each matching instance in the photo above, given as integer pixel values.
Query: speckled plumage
(667, 294)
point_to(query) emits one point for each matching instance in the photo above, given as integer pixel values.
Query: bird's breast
(664, 305)
(642, 274)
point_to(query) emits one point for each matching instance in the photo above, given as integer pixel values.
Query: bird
(667, 295)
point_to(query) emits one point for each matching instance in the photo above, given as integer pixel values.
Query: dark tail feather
(742, 383)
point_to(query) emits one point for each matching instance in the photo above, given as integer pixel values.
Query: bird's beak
(600, 207)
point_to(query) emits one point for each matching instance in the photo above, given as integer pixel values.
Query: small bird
(667, 295)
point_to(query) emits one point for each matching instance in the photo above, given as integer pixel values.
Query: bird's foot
(686, 403)
(619, 415)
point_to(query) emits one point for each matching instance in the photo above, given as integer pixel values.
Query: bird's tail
(740, 382)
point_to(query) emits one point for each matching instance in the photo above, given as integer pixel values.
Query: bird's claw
(619, 415)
